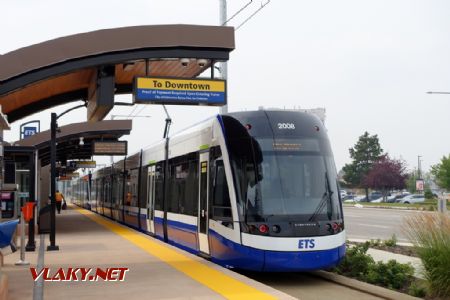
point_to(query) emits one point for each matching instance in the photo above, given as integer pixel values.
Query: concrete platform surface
(156, 269)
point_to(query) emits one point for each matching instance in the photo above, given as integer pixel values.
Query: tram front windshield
(294, 179)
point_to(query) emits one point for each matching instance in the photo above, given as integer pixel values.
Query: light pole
(53, 128)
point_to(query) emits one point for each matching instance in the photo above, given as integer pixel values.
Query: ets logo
(29, 131)
(306, 244)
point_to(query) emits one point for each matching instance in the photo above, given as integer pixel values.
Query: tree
(442, 172)
(386, 174)
(364, 154)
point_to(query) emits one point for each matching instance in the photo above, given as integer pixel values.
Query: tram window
(221, 205)
(133, 187)
(191, 193)
(117, 188)
(159, 185)
(176, 187)
(143, 188)
(183, 185)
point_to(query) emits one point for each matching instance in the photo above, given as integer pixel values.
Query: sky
(368, 63)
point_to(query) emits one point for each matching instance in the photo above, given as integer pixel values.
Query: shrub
(375, 243)
(392, 274)
(392, 242)
(417, 290)
(428, 194)
(356, 262)
(430, 234)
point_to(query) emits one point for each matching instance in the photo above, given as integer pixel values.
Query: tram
(249, 190)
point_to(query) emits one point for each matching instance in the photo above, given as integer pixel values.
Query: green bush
(428, 194)
(417, 290)
(430, 234)
(356, 262)
(392, 274)
(392, 242)
(375, 243)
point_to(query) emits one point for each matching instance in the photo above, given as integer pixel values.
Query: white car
(414, 198)
(379, 200)
(355, 199)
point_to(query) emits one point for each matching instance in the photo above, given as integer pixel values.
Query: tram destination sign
(159, 90)
(110, 148)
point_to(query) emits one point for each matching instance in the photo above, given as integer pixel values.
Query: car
(389, 199)
(414, 198)
(353, 198)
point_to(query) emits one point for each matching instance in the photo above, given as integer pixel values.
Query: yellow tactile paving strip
(221, 283)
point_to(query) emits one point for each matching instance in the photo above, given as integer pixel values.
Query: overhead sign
(110, 148)
(84, 164)
(156, 90)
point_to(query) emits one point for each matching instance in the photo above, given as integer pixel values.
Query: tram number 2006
(286, 126)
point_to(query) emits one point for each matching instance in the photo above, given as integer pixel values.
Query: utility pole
(223, 65)
(418, 167)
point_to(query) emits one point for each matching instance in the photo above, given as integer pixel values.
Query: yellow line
(221, 283)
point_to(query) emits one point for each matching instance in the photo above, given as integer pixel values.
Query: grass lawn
(427, 205)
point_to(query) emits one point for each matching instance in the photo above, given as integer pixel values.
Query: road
(375, 223)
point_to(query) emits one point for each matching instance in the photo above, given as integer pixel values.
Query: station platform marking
(221, 283)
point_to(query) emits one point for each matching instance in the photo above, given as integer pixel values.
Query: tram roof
(59, 71)
(68, 139)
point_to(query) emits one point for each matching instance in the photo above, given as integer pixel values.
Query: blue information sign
(29, 131)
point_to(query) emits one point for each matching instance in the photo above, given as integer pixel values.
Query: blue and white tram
(250, 190)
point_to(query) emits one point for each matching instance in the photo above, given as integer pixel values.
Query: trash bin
(28, 211)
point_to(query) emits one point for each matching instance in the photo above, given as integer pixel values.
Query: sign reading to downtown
(156, 90)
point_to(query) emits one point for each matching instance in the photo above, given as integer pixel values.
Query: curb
(363, 286)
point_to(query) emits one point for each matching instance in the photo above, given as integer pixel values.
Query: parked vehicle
(415, 198)
(354, 199)
(389, 199)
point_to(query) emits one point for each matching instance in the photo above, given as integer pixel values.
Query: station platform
(156, 270)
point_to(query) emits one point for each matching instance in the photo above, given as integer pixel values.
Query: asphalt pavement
(375, 223)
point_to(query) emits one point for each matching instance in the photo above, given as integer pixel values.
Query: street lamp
(53, 128)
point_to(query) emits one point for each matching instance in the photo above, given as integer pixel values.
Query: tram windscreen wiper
(325, 198)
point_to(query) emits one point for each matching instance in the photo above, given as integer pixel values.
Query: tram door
(203, 203)
(150, 198)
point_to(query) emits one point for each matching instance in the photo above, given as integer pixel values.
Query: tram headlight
(276, 228)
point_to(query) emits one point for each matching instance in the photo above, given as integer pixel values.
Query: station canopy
(73, 68)
(74, 141)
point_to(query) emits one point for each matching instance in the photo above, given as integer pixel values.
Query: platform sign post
(179, 91)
